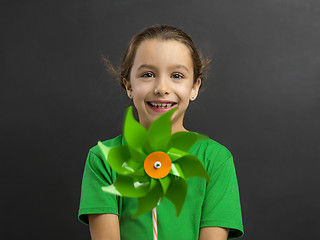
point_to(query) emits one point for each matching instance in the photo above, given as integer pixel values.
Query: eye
(148, 75)
(177, 75)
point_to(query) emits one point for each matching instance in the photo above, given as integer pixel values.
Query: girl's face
(161, 78)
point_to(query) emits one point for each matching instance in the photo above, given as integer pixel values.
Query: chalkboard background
(261, 101)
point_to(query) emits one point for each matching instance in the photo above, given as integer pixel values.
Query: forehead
(162, 53)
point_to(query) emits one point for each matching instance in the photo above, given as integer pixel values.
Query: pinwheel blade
(176, 170)
(177, 192)
(191, 167)
(185, 140)
(159, 132)
(165, 183)
(119, 159)
(104, 150)
(128, 187)
(150, 200)
(137, 155)
(134, 133)
(175, 154)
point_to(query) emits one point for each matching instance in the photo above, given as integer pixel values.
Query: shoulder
(209, 147)
(96, 164)
(210, 152)
(113, 142)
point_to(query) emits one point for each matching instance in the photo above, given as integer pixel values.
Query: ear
(127, 85)
(195, 89)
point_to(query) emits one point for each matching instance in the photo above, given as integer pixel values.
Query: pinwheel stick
(154, 224)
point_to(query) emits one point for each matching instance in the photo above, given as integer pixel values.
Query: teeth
(161, 105)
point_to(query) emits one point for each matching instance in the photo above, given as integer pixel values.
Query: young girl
(161, 69)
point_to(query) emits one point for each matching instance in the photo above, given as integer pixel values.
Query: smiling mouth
(162, 105)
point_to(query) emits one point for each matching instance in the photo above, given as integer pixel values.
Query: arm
(221, 206)
(104, 227)
(213, 233)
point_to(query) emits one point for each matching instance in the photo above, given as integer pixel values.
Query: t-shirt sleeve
(97, 173)
(221, 206)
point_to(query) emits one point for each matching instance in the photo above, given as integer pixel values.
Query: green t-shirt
(213, 204)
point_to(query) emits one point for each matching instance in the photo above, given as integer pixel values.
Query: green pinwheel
(154, 164)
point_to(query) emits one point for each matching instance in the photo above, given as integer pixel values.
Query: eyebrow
(181, 66)
(145, 66)
(153, 67)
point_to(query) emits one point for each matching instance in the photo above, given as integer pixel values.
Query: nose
(162, 87)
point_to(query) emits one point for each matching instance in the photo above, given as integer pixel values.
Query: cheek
(185, 92)
(140, 91)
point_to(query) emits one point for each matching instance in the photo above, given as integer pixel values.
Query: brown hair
(162, 32)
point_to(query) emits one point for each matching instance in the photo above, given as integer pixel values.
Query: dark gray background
(261, 101)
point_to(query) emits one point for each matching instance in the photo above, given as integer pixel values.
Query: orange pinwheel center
(157, 165)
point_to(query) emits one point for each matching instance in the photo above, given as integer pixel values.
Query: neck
(179, 128)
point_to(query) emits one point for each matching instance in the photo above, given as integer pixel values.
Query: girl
(161, 69)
